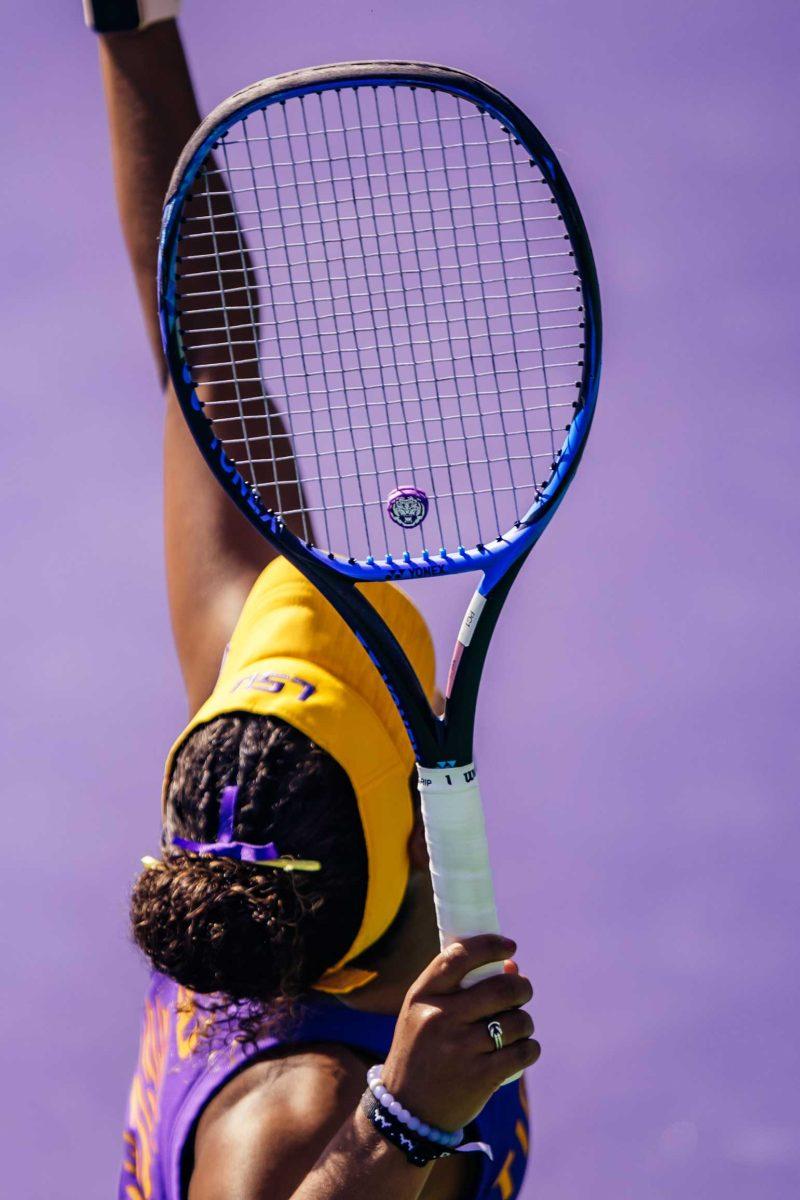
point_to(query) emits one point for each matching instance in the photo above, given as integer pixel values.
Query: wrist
(417, 1150)
(394, 1108)
(127, 16)
(415, 1097)
(375, 1150)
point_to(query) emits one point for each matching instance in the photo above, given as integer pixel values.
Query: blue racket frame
(435, 739)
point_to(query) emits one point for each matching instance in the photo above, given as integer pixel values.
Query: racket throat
(465, 634)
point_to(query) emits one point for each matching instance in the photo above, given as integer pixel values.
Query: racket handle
(455, 831)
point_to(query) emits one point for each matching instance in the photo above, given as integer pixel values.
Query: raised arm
(212, 554)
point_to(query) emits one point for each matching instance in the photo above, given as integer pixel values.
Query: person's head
(301, 745)
(245, 930)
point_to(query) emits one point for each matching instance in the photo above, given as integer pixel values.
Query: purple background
(642, 733)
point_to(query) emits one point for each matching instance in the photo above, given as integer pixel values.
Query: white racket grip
(455, 831)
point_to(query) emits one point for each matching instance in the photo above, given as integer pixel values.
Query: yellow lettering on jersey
(189, 1027)
(504, 1181)
(143, 1104)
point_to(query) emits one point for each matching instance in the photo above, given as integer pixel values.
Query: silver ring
(496, 1034)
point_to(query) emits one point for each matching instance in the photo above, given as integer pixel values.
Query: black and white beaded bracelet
(418, 1150)
(440, 1137)
(420, 1142)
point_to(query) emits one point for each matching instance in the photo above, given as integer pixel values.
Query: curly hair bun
(218, 925)
(238, 929)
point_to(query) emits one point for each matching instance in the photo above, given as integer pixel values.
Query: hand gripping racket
(380, 313)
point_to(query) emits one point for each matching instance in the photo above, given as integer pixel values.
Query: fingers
(448, 968)
(516, 1026)
(513, 1059)
(494, 995)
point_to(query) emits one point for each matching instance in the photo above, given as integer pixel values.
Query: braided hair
(237, 929)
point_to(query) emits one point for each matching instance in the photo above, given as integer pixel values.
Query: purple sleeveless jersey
(178, 1072)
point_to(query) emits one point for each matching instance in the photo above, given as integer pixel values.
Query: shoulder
(262, 1133)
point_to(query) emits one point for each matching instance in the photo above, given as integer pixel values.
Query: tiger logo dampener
(407, 506)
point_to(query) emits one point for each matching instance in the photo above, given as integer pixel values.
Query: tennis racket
(380, 313)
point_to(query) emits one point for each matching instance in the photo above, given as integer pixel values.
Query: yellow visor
(292, 656)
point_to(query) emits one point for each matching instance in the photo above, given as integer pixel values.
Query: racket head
(392, 94)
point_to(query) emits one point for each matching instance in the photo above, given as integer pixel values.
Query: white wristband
(119, 16)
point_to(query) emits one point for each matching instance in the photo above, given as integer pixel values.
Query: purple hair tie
(225, 846)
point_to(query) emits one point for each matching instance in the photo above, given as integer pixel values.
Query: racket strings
(244, 267)
(496, 373)
(299, 319)
(324, 512)
(386, 271)
(410, 421)
(340, 472)
(349, 157)
(475, 116)
(481, 266)
(394, 335)
(421, 362)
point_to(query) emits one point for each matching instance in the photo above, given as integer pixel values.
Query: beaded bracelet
(439, 1137)
(418, 1150)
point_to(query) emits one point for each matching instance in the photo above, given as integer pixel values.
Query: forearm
(359, 1164)
(213, 553)
(151, 111)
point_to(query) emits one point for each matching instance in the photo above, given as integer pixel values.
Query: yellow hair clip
(290, 864)
(282, 864)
